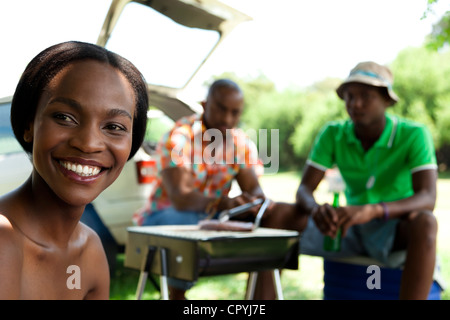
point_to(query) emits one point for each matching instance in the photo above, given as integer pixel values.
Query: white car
(146, 32)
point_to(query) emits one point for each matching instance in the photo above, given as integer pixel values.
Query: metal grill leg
(250, 294)
(145, 268)
(277, 283)
(163, 277)
(141, 284)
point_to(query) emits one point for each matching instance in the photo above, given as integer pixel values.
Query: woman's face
(82, 131)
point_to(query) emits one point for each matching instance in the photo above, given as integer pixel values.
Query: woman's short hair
(47, 64)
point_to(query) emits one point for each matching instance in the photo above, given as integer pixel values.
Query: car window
(167, 53)
(29, 26)
(158, 124)
(8, 142)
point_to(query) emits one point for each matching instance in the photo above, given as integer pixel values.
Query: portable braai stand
(147, 262)
(186, 252)
(250, 292)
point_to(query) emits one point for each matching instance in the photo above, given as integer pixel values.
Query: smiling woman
(79, 108)
(79, 111)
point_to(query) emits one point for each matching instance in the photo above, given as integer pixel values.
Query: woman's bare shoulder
(10, 259)
(11, 208)
(90, 236)
(7, 231)
(97, 265)
(92, 243)
(10, 238)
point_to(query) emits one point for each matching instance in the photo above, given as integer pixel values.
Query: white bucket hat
(373, 74)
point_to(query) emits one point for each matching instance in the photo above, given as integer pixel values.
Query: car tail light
(146, 171)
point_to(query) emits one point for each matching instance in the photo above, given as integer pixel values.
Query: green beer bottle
(329, 243)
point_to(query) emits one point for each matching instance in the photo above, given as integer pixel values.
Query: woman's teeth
(84, 171)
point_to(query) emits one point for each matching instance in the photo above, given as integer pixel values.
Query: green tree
(319, 107)
(421, 83)
(281, 111)
(440, 35)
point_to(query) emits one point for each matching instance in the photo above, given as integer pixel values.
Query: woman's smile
(79, 172)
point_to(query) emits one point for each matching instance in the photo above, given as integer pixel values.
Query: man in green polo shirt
(389, 167)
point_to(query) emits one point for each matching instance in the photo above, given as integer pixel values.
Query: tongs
(260, 213)
(225, 215)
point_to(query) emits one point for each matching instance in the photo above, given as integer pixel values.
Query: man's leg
(265, 287)
(176, 294)
(279, 216)
(178, 288)
(417, 234)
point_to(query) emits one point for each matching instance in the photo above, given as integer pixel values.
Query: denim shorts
(374, 239)
(171, 216)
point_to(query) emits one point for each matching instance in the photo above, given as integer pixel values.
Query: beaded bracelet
(385, 211)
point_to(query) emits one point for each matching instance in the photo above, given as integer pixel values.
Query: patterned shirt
(213, 168)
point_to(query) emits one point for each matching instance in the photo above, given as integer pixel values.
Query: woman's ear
(28, 134)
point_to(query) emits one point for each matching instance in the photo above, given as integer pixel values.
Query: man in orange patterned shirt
(199, 159)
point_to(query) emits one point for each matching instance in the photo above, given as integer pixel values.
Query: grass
(303, 284)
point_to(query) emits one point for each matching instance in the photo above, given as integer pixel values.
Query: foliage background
(420, 80)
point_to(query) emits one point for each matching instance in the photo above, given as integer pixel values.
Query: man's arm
(249, 183)
(422, 161)
(179, 185)
(310, 180)
(424, 198)
(324, 215)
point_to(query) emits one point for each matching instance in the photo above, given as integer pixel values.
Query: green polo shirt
(383, 173)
